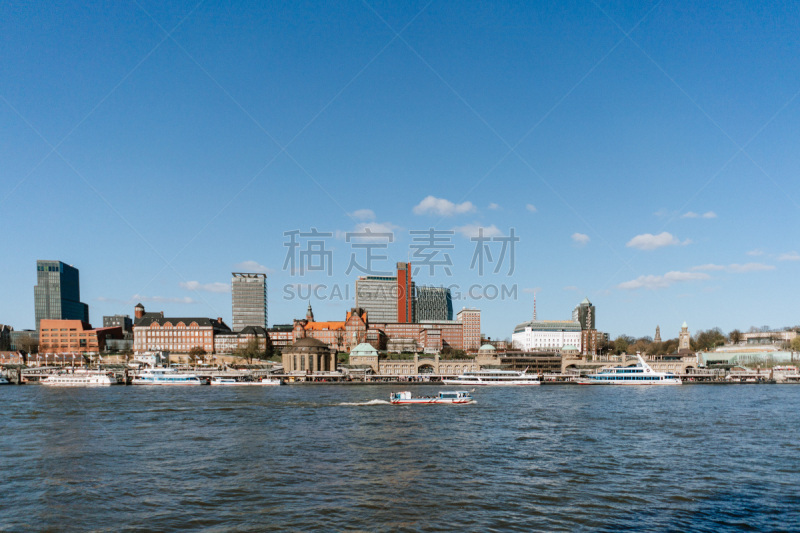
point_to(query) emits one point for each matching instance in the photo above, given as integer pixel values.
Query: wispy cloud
(252, 266)
(442, 207)
(709, 267)
(571, 288)
(580, 238)
(532, 290)
(531, 208)
(162, 299)
(472, 230)
(661, 282)
(750, 267)
(756, 252)
(789, 256)
(692, 214)
(363, 214)
(648, 241)
(735, 267)
(370, 232)
(494, 207)
(205, 287)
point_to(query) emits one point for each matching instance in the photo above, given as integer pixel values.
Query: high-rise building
(387, 298)
(433, 303)
(405, 294)
(471, 319)
(584, 313)
(57, 293)
(249, 295)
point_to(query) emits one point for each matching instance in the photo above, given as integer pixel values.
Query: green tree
(196, 353)
(251, 350)
(621, 344)
(795, 344)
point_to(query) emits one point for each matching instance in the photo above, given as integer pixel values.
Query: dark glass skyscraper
(57, 294)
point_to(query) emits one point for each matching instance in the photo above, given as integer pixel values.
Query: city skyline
(643, 155)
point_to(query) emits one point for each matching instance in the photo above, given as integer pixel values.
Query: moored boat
(80, 379)
(641, 374)
(494, 377)
(165, 376)
(449, 397)
(219, 380)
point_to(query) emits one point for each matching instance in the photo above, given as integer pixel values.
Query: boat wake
(371, 402)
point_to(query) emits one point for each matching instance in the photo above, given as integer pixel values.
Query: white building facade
(547, 335)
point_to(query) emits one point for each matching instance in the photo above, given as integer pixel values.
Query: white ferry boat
(494, 377)
(641, 374)
(81, 379)
(165, 376)
(219, 380)
(454, 397)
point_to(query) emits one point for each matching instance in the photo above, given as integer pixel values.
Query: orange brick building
(74, 336)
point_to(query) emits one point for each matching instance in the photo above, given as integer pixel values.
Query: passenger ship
(80, 379)
(445, 397)
(494, 377)
(641, 374)
(165, 376)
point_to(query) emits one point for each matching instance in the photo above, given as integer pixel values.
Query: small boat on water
(451, 397)
(80, 379)
(494, 377)
(641, 374)
(219, 380)
(165, 376)
(4, 381)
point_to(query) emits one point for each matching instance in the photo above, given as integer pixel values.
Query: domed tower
(310, 313)
(138, 311)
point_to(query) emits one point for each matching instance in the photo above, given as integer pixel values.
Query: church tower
(310, 313)
(657, 338)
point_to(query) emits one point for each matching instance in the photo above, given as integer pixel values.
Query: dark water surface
(700, 458)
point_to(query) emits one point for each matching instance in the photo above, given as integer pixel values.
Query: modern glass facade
(433, 303)
(249, 295)
(57, 293)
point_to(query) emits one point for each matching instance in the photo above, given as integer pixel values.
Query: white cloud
(531, 208)
(494, 207)
(709, 266)
(755, 252)
(789, 256)
(692, 214)
(660, 282)
(363, 214)
(380, 229)
(252, 266)
(739, 269)
(532, 290)
(580, 238)
(162, 299)
(648, 241)
(471, 230)
(207, 287)
(570, 288)
(750, 267)
(442, 207)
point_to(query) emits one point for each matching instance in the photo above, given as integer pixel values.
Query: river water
(335, 457)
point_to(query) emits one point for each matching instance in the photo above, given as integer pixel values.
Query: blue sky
(645, 153)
